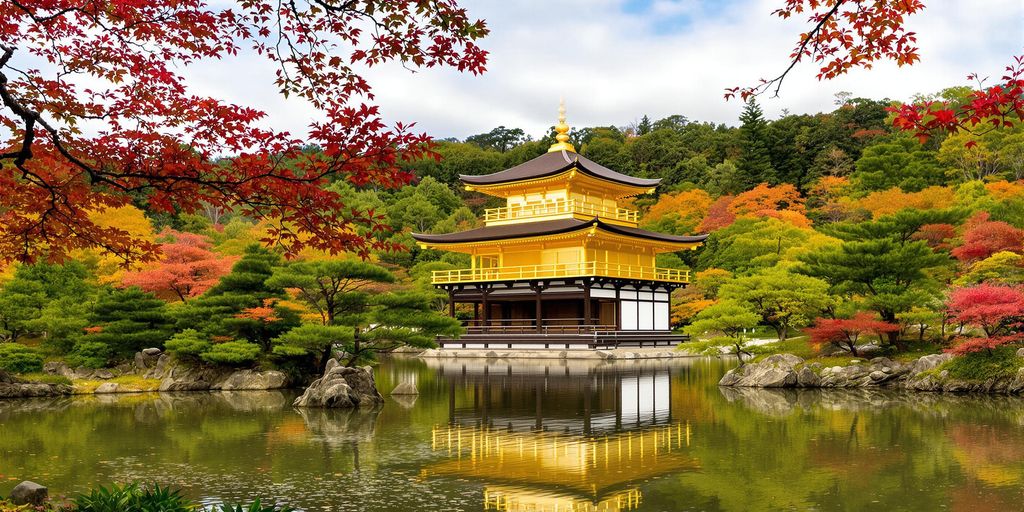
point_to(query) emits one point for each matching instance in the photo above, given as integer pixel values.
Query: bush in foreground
(137, 498)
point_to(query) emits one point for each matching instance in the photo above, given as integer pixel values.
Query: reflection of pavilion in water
(559, 437)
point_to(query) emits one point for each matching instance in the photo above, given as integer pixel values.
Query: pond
(574, 436)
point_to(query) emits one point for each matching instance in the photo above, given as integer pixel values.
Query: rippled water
(543, 436)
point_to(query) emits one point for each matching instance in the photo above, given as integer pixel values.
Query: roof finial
(562, 130)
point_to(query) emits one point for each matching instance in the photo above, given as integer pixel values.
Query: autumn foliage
(846, 332)
(847, 34)
(187, 268)
(983, 238)
(998, 311)
(117, 67)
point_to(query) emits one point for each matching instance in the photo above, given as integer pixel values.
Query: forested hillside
(834, 220)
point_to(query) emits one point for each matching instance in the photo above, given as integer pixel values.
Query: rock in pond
(29, 493)
(342, 387)
(405, 388)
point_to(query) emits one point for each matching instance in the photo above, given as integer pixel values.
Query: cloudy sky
(616, 60)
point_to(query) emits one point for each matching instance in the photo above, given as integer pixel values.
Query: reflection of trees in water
(857, 449)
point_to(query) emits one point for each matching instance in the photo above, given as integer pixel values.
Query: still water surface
(551, 436)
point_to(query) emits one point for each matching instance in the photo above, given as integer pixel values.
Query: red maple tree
(997, 310)
(187, 268)
(99, 115)
(846, 34)
(719, 215)
(937, 236)
(846, 332)
(983, 238)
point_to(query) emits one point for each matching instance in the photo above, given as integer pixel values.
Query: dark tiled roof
(553, 163)
(548, 227)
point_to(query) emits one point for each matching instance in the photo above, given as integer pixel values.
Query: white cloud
(613, 66)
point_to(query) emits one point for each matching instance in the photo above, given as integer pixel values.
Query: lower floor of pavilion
(587, 312)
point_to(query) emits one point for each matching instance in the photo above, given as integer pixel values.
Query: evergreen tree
(754, 163)
(218, 312)
(337, 291)
(46, 300)
(122, 322)
(880, 263)
(644, 127)
(372, 323)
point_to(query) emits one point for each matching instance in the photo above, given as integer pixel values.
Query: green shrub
(188, 344)
(17, 358)
(979, 366)
(91, 354)
(232, 353)
(132, 498)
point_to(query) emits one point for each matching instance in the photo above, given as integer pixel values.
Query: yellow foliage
(1004, 190)
(890, 201)
(107, 267)
(765, 198)
(689, 207)
(795, 218)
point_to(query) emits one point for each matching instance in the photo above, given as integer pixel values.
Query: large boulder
(775, 371)
(342, 387)
(929, 362)
(29, 493)
(247, 380)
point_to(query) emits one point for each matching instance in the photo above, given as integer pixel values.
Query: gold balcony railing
(561, 207)
(583, 269)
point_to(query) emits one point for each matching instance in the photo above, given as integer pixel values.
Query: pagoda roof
(549, 227)
(557, 162)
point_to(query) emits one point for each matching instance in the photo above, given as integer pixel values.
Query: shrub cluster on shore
(135, 497)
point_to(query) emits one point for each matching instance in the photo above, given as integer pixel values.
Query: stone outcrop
(153, 364)
(29, 493)
(923, 374)
(342, 387)
(776, 371)
(11, 387)
(185, 378)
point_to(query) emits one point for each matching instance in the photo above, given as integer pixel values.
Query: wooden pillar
(618, 307)
(486, 306)
(451, 302)
(539, 312)
(586, 302)
(538, 288)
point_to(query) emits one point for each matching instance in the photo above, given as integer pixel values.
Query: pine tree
(220, 311)
(754, 163)
(644, 127)
(121, 323)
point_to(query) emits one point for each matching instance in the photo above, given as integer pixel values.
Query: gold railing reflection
(584, 464)
(515, 499)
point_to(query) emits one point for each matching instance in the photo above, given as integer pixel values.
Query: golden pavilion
(563, 264)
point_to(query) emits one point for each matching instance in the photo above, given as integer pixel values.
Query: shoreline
(927, 374)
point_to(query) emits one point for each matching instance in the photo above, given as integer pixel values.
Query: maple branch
(800, 51)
